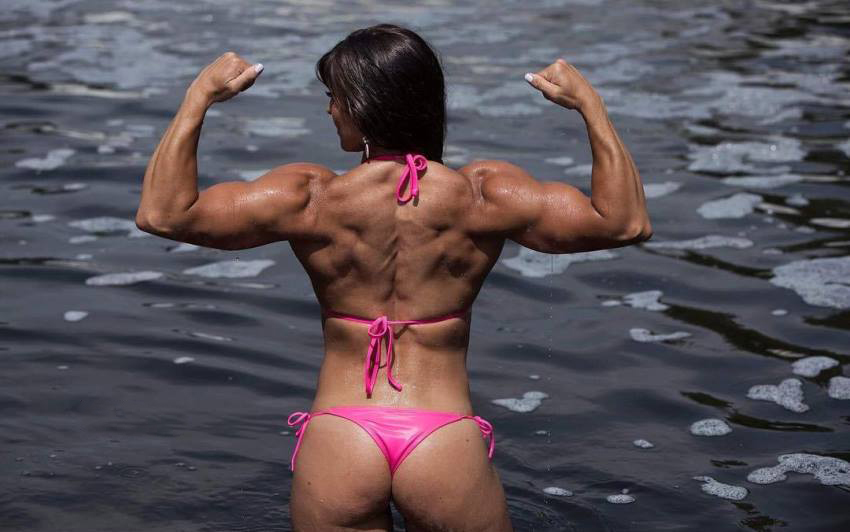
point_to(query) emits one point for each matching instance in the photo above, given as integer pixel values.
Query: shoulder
(495, 179)
(306, 178)
(303, 172)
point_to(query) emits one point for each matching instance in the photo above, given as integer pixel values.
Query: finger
(540, 83)
(246, 78)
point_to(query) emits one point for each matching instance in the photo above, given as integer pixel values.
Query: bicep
(242, 215)
(550, 217)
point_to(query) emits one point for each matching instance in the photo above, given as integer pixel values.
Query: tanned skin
(368, 256)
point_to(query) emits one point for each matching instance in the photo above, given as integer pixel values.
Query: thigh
(341, 479)
(448, 483)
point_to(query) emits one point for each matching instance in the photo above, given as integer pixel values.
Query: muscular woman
(397, 249)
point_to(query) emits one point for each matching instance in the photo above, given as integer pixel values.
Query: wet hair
(390, 82)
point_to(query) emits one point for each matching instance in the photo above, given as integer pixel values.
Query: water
(145, 384)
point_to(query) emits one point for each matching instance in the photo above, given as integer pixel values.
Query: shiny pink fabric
(380, 331)
(415, 164)
(396, 431)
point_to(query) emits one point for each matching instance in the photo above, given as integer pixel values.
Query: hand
(564, 85)
(224, 78)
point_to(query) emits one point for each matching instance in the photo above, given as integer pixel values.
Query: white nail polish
(529, 77)
(258, 67)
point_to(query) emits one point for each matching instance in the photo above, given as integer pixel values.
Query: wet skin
(368, 256)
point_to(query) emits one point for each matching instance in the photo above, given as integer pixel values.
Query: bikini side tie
(303, 419)
(486, 432)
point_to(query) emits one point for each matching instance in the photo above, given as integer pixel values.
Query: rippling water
(666, 386)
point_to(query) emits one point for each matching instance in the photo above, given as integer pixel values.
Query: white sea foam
(811, 366)
(183, 360)
(184, 247)
(845, 147)
(787, 394)
(798, 200)
(737, 157)
(820, 282)
(528, 403)
(38, 218)
(828, 470)
(643, 444)
(644, 335)
(839, 387)
(710, 427)
(703, 242)
(532, 263)
(656, 190)
(118, 279)
(54, 159)
(281, 127)
(836, 223)
(80, 239)
(646, 300)
(620, 498)
(724, 491)
(560, 161)
(231, 268)
(736, 206)
(779, 312)
(558, 492)
(767, 181)
(75, 315)
(107, 224)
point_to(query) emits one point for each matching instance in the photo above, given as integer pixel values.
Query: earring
(366, 145)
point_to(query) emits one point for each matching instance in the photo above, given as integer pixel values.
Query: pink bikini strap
(486, 432)
(303, 419)
(380, 330)
(415, 164)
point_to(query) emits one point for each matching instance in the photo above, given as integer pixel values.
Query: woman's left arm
(236, 215)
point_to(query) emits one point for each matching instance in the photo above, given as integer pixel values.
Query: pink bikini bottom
(396, 431)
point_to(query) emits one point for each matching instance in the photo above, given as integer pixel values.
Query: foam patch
(724, 491)
(788, 394)
(703, 242)
(826, 469)
(811, 366)
(528, 403)
(530, 263)
(820, 282)
(710, 427)
(231, 269)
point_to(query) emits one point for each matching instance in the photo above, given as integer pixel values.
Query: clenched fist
(224, 78)
(564, 85)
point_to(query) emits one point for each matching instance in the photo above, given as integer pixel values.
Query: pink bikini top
(415, 164)
(380, 329)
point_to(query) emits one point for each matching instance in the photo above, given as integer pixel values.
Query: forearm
(170, 184)
(616, 188)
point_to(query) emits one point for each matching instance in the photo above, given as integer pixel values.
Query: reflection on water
(144, 382)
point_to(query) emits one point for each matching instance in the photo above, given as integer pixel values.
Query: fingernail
(529, 77)
(258, 67)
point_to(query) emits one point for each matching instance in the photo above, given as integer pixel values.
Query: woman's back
(374, 256)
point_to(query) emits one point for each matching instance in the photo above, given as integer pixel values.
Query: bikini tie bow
(486, 432)
(303, 419)
(415, 163)
(378, 330)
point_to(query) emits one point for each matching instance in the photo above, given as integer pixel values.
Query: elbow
(635, 232)
(153, 223)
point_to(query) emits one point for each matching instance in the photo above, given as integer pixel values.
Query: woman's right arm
(554, 217)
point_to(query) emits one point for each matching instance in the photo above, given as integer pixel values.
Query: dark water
(737, 114)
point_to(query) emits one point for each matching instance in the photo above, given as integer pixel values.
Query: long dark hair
(390, 82)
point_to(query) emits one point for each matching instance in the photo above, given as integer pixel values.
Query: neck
(377, 151)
